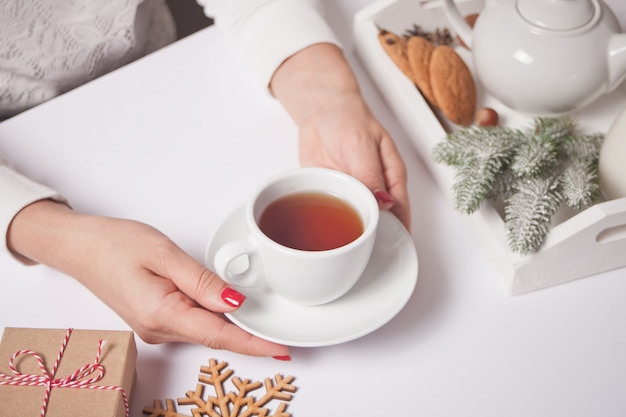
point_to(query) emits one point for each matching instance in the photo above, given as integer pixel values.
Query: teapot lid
(558, 14)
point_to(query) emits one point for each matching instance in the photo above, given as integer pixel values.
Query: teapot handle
(460, 26)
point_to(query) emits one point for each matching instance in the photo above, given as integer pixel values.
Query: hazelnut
(486, 116)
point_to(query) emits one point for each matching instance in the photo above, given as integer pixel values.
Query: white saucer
(380, 294)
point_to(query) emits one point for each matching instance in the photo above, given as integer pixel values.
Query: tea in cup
(311, 235)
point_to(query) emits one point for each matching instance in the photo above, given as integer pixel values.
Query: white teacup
(302, 264)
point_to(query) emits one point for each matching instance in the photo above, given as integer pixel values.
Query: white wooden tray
(578, 245)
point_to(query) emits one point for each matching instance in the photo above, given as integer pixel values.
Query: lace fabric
(48, 47)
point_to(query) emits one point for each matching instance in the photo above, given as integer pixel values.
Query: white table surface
(180, 138)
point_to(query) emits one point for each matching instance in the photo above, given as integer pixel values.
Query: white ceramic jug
(612, 163)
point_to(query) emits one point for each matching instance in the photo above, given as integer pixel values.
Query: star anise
(440, 36)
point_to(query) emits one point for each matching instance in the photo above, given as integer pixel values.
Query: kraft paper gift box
(96, 398)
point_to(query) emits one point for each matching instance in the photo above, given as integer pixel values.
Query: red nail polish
(282, 358)
(232, 297)
(385, 200)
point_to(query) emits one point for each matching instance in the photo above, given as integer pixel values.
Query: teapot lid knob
(558, 14)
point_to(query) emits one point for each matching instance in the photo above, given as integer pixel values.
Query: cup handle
(236, 251)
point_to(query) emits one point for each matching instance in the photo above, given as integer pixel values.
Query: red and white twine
(75, 380)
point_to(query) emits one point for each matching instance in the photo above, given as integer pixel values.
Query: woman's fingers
(198, 325)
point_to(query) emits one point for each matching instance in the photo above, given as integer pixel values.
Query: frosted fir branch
(580, 184)
(535, 156)
(473, 142)
(503, 187)
(531, 172)
(455, 149)
(480, 169)
(554, 128)
(528, 214)
(473, 182)
(583, 147)
(498, 143)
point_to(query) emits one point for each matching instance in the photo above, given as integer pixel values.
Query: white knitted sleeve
(269, 31)
(16, 192)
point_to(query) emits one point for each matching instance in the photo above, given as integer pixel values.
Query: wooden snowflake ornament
(238, 403)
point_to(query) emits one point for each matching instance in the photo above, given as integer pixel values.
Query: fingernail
(232, 297)
(282, 358)
(385, 200)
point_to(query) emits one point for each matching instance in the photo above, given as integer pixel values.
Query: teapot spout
(617, 60)
(460, 26)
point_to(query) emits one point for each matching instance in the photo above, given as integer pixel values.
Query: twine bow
(47, 379)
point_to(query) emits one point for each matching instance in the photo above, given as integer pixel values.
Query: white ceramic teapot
(544, 56)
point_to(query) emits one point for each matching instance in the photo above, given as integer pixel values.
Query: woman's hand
(159, 290)
(337, 128)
